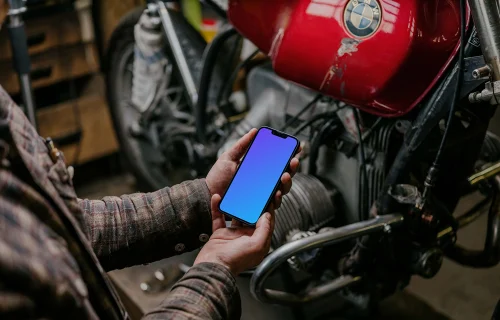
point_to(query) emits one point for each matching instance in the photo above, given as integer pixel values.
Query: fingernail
(268, 215)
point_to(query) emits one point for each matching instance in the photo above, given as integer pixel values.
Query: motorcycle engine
(331, 195)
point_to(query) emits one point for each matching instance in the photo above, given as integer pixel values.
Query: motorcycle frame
(485, 15)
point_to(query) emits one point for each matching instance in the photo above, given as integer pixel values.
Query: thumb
(217, 217)
(263, 230)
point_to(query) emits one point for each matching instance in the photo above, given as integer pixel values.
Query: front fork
(486, 16)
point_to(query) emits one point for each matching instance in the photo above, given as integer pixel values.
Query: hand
(222, 173)
(239, 247)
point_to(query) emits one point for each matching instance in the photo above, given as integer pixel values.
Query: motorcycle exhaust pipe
(282, 254)
(491, 171)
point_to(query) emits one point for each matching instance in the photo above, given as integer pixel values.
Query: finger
(236, 223)
(218, 220)
(298, 154)
(294, 166)
(273, 220)
(277, 199)
(286, 183)
(263, 230)
(270, 208)
(299, 150)
(240, 147)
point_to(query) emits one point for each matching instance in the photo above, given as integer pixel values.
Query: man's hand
(223, 171)
(239, 247)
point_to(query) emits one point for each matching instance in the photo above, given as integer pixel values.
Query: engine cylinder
(308, 207)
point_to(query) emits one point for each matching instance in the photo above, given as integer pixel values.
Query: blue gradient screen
(257, 176)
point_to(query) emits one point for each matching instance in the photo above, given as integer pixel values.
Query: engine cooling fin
(376, 149)
(308, 206)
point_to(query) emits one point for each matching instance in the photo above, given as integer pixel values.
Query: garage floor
(455, 293)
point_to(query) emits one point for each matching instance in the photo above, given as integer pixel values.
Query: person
(55, 248)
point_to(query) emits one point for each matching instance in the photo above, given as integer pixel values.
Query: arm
(207, 291)
(145, 227)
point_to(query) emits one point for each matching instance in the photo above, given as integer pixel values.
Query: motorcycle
(391, 101)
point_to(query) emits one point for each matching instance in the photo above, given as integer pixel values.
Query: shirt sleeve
(145, 227)
(207, 291)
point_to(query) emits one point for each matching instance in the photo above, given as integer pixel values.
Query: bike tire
(137, 155)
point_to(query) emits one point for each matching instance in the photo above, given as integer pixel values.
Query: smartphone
(258, 176)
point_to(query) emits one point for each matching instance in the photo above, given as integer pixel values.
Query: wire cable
(312, 121)
(309, 105)
(325, 129)
(364, 193)
(228, 86)
(431, 174)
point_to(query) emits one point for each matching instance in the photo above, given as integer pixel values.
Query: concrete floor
(455, 293)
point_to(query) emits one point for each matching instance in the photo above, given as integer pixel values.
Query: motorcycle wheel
(142, 157)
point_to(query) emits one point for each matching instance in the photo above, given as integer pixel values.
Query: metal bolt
(482, 72)
(475, 97)
(387, 228)
(203, 237)
(145, 287)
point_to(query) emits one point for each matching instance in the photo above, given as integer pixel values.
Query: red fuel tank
(382, 56)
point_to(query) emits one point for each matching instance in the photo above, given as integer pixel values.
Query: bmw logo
(362, 17)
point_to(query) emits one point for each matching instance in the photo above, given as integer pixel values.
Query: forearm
(144, 227)
(207, 291)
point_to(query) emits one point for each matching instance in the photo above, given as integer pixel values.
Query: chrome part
(16, 7)
(482, 72)
(223, 4)
(151, 72)
(486, 15)
(471, 64)
(21, 60)
(470, 83)
(173, 40)
(307, 207)
(491, 94)
(304, 260)
(281, 255)
(314, 293)
(387, 228)
(490, 171)
(28, 98)
(405, 193)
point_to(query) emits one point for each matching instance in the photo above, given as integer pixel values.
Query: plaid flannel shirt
(55, 248)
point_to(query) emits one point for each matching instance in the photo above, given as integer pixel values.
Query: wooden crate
(45, 33)
(98, 136)
(53, 66)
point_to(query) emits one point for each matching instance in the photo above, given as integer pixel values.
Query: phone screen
(258, 175)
